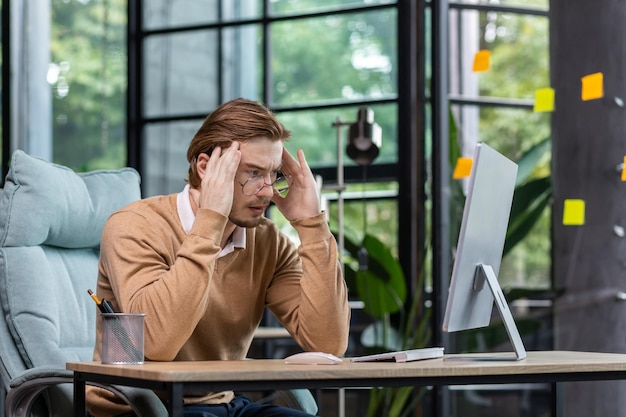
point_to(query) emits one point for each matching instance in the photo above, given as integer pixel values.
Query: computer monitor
(474, 284)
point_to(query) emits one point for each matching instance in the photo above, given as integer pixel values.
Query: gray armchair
(51, 219)
(50, 224)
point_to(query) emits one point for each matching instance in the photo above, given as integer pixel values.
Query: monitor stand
(485, 273)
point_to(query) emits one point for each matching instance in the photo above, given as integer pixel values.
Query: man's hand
(218, 179)
(303, 199)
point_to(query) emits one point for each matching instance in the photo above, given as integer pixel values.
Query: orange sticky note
(624, 170)
(574, 212)
(482, 59)
(592, 86)
(463, 168)
(544, 100)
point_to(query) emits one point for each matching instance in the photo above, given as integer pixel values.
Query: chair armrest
(41, 372)
(143, 401)
(299, 399)
(25, 389)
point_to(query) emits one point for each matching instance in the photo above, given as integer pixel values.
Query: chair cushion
(45, 203)
(51, 219)
(43, 292)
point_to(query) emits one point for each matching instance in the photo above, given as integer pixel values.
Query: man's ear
(201, 162)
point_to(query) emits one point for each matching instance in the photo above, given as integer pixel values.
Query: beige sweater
(200, 306)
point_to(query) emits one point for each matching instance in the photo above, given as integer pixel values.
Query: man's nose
(266, 191)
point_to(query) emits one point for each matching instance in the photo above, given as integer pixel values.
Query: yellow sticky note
(463, 168)
(574, 212)
(481, 61)
(624, 170)
(544, 100)
(592, 86)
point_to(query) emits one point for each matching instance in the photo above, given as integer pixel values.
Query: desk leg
(557, 399)
(79, 397)
(341, 402)
(175, 399)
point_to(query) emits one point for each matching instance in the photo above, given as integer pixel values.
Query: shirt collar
(185, 213)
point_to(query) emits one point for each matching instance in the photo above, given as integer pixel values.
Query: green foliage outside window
(87, 75)
(519, 66)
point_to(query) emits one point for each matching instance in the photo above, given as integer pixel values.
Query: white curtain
(31, 96)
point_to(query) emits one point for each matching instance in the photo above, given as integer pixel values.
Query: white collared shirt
(185, 213)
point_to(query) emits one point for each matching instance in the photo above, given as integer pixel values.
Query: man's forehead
(264, 154)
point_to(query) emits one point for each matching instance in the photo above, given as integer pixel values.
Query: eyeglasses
(255, 183)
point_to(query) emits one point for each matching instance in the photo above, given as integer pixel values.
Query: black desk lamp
(364, 138)
(364, 141)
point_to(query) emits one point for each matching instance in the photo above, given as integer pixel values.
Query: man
(203, 264)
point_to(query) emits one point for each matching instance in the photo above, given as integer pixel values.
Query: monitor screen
(474, 285)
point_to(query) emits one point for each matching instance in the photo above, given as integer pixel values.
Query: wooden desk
(178, 377)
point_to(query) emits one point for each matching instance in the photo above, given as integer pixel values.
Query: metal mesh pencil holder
(122, 338)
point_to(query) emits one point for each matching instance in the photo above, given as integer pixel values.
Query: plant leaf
(382, 286)
(529, 202)
(529, 161)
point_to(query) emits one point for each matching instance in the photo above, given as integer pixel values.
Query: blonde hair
(237, 120)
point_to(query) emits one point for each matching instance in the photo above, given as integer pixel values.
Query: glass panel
(377, 217)
(519, 63)
(160, 14)
(541, 4)
(241, 9)
(313, 132)
(351, 56)
(164, 154)
(428, 48)
(528, 264)
(278, 7)
(181, 73)
(168, 13)
(242, 62)
(512, 132)
(87, 74)
(519, 45)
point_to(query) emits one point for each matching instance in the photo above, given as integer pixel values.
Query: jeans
(241, 406)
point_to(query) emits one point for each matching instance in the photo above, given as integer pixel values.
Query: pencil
(104, 305)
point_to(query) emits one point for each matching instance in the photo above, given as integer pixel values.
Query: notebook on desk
(403, 355)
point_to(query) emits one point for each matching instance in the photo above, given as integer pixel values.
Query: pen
(104, 305)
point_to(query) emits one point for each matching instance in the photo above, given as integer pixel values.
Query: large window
(65, 99)
(87, 73)
(496, 105)
(310, 62)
